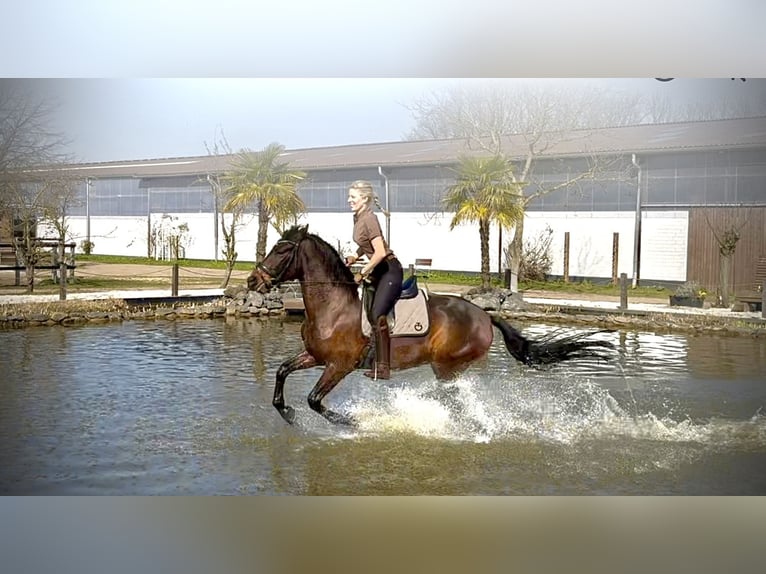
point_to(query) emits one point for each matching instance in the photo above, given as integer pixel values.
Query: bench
(7, 254)
(420, 265)
(752, 296)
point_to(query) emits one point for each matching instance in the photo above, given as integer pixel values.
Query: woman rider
(382, 268)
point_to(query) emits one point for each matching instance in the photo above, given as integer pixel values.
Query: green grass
(432, 276)
(100, 283)
(194, 263)
(473, 279)
(597, 289)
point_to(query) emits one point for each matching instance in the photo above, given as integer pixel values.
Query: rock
(235, 292)
(96, 315)
(254, 299)
(488, 302)
(513, 302)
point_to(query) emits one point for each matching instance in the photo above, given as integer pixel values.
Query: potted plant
(690, 294)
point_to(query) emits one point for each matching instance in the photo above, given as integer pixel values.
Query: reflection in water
(185, 407)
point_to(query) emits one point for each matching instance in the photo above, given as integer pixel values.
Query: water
(184, 407)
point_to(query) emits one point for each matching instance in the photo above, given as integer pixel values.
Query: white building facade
(658, 174)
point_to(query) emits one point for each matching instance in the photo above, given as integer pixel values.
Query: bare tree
(524, 122)
(659, 108)
(726, 237)
(33, 187)
(45, 198)
(26, 140)
(222, 195)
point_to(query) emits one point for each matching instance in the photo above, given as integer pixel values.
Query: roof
(647, 138)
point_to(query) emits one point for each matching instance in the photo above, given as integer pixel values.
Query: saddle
(408, 318)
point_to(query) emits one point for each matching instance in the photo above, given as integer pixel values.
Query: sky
(149, 79)
(112, 119)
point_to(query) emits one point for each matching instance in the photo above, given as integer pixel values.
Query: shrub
(536, 261)
(87, 246)
(690, 289)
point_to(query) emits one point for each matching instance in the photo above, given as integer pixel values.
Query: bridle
(276, 275)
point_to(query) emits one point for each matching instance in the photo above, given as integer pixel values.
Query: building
(676, 186)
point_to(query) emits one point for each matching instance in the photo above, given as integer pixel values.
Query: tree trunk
(725, 264)
(229, 248)
(227, 275)
(484, 237)
(516, 248)
(263, 228)
(30, 258)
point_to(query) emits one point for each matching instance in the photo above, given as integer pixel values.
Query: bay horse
(460, 332)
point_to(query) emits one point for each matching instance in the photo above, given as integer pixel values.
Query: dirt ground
(204, 278)
(189, 277)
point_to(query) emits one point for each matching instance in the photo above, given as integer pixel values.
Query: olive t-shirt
(367, 228)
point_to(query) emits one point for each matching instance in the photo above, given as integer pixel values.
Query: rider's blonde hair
(367, 193)
(364, 188)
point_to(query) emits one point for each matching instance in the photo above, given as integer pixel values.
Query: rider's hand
(358, 278)
(350, 260)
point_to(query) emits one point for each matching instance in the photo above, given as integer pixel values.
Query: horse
(460, 332)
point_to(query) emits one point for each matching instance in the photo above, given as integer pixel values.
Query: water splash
(561, 409)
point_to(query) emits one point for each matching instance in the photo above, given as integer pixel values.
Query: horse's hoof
(288, 413)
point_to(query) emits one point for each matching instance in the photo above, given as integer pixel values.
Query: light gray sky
(308, 73)
(125, 119)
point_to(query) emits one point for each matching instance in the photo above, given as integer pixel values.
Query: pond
(184, 407)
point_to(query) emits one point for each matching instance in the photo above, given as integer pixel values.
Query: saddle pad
(411, 317)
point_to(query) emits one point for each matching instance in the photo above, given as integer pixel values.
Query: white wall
(111, 235)
(420, 235)
(663, 242)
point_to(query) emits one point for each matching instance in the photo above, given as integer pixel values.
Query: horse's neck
(321, 290)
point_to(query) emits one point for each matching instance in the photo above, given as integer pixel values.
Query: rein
(277, 275)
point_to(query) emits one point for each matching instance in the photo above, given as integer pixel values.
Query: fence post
(763, 299)
(566, 257)
(62, 273)
(174, 281)
(615, 256)
(55, 264)
(71, 259)
(623, 290)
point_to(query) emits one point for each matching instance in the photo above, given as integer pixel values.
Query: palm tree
(485, 192)
(260, 178)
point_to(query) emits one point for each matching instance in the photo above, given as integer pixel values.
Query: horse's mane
(336, 267)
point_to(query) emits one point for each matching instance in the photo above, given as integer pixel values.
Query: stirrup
(375, 375)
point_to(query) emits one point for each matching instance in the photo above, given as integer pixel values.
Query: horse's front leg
(331, 376)
(302, 360)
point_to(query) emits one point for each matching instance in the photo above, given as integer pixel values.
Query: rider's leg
(382, 367)
(387, 290)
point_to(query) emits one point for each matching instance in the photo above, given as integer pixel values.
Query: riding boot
(382, 369)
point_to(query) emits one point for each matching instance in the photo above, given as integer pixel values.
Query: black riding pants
(387, 279)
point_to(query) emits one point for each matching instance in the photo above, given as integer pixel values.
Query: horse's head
(278, 265)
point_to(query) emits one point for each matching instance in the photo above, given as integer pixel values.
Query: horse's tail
(551, 349)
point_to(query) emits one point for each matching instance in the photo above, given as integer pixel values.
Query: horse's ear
(304, 229)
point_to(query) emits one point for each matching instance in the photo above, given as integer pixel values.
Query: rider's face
(356, 201)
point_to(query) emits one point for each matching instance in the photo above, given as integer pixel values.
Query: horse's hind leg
(302, 360)
(330, 377)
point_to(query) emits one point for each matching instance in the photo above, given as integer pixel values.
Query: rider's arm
(378, 256)
(351, 259)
